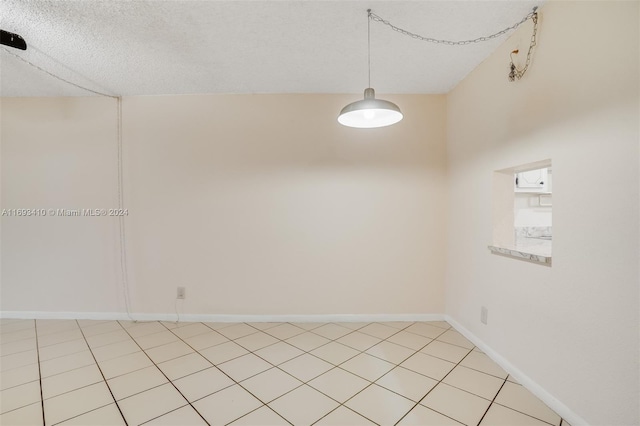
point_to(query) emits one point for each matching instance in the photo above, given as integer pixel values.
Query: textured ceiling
(183, 47)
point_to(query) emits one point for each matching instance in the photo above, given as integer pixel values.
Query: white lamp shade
(370, 112)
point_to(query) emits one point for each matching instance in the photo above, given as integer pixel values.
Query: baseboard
(554, 403)
(223, 318)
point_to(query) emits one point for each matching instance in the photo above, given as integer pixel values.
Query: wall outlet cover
(181, 294)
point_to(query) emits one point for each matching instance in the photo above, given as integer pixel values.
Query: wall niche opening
(522, 212)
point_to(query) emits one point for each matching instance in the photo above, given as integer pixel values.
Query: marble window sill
(524, 253)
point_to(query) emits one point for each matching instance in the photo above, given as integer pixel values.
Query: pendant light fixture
(370, 112)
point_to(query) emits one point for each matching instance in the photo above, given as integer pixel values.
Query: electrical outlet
(484, 313)
(181, 293)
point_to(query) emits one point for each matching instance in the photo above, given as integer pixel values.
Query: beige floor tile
(481, 362)
(332, 331)
(284, 331)
(18, 346)
(89, 323)
(9, 362)
(105, 416)
(191, 330)
(427, 365)
(127, 324)
(114, 350)
(335, 353)
(169, 351)
(184, 365)
(353, 325)
(263, 325)
(19, 396)
(511, 379)
(520, 399)
(380, 405)
(307, 341)
(153, 403)
(278, 353)
(256, 341)
(390, 352)
(457, 404)
(136, 382)
(263, 416)
(407, 383)
(219, 325)
(15, 336)
(145, 328)
(303, 406)
(409, 340)
(30, 415)
(107, 338)
(244, 367)
(206, 340)
(101, 328)
(185, 416)
(17, 326)
(308, 325)
(342, 416)
(473, 381)
(503, 416)
(306, 367)
(399, 325)
(71, 380)
(425, 329)
(237, 331)
(270, 384)
(441, 324)
(62, 349)
(223, 352)
(60, 337)
(198, 385)
(367, 366)
(55, 328)
(124, 364)
(378, 330)
(74, 403)
(172, 325)
(149, 341)
(227, 405)
(339, 384)
(19, 376)
(446, 351)
(455, 338)
(359, 341)
(66, 363)
(423, 416)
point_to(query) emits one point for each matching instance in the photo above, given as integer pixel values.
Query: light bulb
(369, 114)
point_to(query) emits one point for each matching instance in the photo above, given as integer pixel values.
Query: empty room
(307, 212)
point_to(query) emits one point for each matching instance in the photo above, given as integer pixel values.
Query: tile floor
(161, 373)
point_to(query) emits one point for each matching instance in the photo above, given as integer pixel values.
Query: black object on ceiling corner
(12, 40)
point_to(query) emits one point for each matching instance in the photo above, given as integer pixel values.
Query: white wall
(59, 153)
(572, 328)
(256, 204)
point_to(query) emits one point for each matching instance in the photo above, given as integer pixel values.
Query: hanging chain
(514, 72)
(452, 42)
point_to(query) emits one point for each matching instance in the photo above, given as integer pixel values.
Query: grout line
(492, 401)
(279, 340)
(223, 372)
(162, 372)
(103, 378)
(35, 327)
(439, 381)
